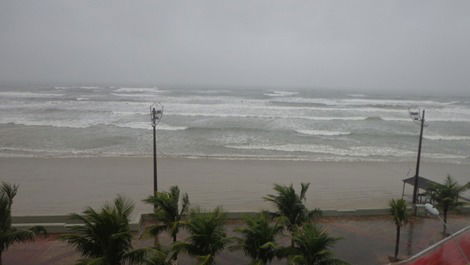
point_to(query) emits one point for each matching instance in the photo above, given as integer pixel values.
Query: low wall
(57, 223)
(61, 223)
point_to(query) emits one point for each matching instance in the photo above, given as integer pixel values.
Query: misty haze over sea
(318, 125)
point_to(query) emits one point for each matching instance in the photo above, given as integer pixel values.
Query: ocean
(303, 124)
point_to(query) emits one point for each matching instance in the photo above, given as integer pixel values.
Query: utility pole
(156, 113)
(418, 160)
(155, 182)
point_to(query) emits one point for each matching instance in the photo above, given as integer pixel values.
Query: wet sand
(64, 185)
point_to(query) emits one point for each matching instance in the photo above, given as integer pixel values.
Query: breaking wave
(281, 93)
(446, 138)
(356, 151)
(322, 132)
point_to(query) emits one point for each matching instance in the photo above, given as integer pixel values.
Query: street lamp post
(435, 212)
(416, 116)
(156, 113)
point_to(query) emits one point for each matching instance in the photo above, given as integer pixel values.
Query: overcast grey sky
(419, 44)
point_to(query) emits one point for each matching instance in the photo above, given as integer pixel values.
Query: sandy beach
(64, 185)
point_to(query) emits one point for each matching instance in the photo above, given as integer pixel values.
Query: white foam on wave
(281, 93)
(450, 119)
(237, 115)
(147, 96)
(322, 132)
(357, 95)
(447, 138)
(39, 152)
(147, 126)
(28, 94)
(166, 127)
(53, 123)
(361, 151)
(363, 101)
(355, 151)
(63, 87)
(139, 90)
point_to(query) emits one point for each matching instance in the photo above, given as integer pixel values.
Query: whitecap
(28, 94)
(236, 115)
(147, 126)
(281, 93)
(322, 132)
(447, 137)
(134, 95)
(405, 103)
(138, 90)
(355, 151)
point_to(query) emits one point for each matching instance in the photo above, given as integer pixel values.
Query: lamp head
(431, 209)
(156, 113)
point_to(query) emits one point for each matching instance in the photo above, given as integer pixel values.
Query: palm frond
(38, 229)
(312, 246)
(206, 260)
(147, 256)
(105, 234)
(167, 211)
(258, 239)
(91, 261)
(447, 195)
(303, 190)
(9, 190)
(399, 211)
(8, 234)
(15, 236)
(291, 205)
(207, 234)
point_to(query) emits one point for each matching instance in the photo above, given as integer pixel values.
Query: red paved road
(455, 251)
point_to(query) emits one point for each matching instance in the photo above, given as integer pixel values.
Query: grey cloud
(369, 45)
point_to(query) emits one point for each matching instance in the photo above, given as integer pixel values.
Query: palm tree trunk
(397, 242)
(175, 258)
(445, 220)
(156, 242)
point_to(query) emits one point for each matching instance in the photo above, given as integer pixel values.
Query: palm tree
(105, 236)
(312, 247)
(399, 211)
(150, 256)
(8, 234)
(167, 212)
(290, 206)
(258, 239)
(447, 196)
(207, 235)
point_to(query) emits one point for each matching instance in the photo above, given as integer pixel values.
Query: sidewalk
(365, 241)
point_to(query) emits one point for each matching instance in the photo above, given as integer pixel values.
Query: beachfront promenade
(365, 241)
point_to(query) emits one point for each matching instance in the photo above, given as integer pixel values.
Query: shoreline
(343, 159)
(56, 186)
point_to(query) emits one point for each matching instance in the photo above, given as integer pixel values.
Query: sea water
(298, 124)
